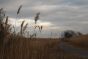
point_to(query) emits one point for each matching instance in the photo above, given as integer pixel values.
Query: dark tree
(69, 34)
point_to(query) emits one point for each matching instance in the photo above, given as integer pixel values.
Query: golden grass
(23, 48)
(18, 47)
(80, 41)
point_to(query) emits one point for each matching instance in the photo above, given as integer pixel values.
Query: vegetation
(70, 34)
(16, 46)
(80, 41)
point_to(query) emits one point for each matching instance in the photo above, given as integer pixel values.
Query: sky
(55, 15)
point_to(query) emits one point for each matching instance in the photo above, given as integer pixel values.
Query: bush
(69, 34)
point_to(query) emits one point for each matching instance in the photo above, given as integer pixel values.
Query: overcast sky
(56, 15)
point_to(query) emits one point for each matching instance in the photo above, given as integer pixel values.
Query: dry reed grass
(37, 17)
(23, 48)
(80, 41)
(18, 11)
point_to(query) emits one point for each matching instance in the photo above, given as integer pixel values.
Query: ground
(40, 48)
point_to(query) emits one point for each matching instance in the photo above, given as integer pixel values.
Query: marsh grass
(24, 48)
(37, 17)
(18, 11)
(14, 46)
(80, 41)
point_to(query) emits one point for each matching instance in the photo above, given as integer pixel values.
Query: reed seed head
(37, 17)
(19, 9)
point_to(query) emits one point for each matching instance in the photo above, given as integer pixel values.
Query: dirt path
(70, 49)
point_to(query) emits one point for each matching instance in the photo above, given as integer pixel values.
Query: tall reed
(18, 11)
(21, 31)
(37, 17)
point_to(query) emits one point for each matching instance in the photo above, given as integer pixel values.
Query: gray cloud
(65, 14)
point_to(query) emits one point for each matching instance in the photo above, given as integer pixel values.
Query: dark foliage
(69, 34)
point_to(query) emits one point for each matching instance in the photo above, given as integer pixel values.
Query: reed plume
(40, 28)
(22, 23)
(19, 9)
(1, 10)
(2, 15)
(37, 17)
(22, 27)
(6, 22)
(25, 27)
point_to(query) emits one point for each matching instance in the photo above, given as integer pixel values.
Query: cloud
(17, 22)
(56, 14)
(45, 8)
(77, 2)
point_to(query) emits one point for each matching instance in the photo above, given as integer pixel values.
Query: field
(35, 49)
(80, 41)
(15, 45)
